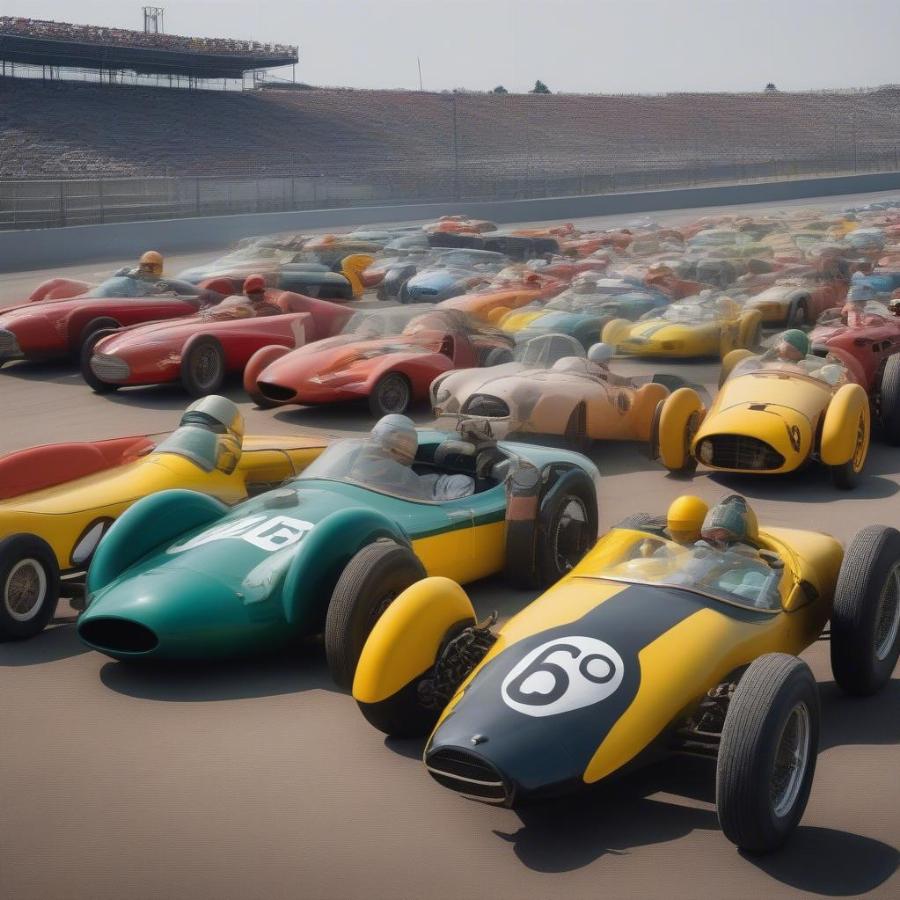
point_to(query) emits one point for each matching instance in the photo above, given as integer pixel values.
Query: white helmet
(601, 353)
(397, 436)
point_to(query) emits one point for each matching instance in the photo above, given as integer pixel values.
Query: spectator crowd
(123, 37)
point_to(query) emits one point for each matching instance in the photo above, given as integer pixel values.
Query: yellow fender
(647, 398)
(846, 414)
(406, 640)
(615, 331)
(352, 268)
(751, 322)
(681, 415)
(498, 313)
(729, 362)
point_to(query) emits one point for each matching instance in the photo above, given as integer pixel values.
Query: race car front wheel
(97, 385)
(29, 586)
(767, 753)
(392, 394)
(203, 366)
(865, 615)
(370, 582)
(889, 400)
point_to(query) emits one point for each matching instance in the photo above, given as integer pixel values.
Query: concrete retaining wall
(33, 249)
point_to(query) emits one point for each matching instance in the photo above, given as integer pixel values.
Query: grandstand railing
(50, 203)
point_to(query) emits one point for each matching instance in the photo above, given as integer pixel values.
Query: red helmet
(254, 284)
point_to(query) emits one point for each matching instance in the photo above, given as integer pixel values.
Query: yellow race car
(699, 326)
(58, 500)
(655, 643)
(770, 416)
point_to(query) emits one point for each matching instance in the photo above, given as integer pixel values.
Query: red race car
(62, 315)
(871, 336)
(389, 356)
(201, 350)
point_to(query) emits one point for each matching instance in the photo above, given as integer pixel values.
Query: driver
(599, 356)
(853, 310)
(150, 266)
(249, 305)
(792, 346)
(726, 527)
(386, 461)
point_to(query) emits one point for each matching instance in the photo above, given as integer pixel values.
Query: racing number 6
(558, 674)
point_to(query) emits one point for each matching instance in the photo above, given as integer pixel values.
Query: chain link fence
(51, 203)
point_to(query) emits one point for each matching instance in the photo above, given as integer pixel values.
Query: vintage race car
(798, 301)
(553, 388)
(286, 270)
(386, 356)
(649, 647)
(582, 310)
(438, 262)
(771, 417)
(58, 500)
(452, 274)
(53, 326)
(697, 327)
(181, 576)
(201, 350)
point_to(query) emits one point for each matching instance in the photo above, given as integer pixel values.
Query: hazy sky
(611, 46)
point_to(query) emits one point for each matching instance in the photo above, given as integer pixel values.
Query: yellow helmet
(151, 262)
(685, 517)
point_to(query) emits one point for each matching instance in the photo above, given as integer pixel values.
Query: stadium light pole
(419, 63)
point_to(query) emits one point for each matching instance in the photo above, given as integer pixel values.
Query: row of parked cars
(676, 631)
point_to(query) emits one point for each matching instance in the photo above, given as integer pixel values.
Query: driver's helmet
(255, 284)
(685, 517)
(792, 344)
(600, 354)
(211, 433)
(151, 263)
(396, 435)
(731, 521)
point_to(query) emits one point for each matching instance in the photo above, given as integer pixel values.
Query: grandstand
(61, 44)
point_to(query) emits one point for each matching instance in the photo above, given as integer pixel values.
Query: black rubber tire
(102, 323)
(378, 572)
(773, 686)
(890, 400)
(13, 550)
(871, 567)
(798, 315)
(192, 383)
(549, 566)
(575, 435)
(87, 373)
(392, 381)
(653, 442)
(402, 715)
(498, 356)
(843, 477)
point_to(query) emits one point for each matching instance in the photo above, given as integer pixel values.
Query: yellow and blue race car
(655, 643)
(58, 500)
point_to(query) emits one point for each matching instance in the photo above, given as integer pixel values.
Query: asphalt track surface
(260, 779)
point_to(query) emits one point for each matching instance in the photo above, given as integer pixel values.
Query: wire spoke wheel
(859, 450)
(570, 537)
(25, 590)
(791, 760)
(887, 620)
(205, 366)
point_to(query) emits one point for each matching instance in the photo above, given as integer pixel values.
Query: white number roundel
(561, 675)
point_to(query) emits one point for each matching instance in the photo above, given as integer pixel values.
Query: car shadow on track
(301, 668)
(51, 645)
(352, 416)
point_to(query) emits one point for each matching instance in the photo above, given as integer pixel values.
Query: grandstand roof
(46, 43)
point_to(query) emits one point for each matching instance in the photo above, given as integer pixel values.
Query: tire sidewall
(376, 403)
(13, 550)
(548, 568)
(191, 385)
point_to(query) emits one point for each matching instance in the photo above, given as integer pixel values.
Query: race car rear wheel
(767, 753)
(567, 529)
(87, 373)
(845, 476)
(889, 400)
(576, 436)
(29, 586)
(865, 615)
(368, 585)
(203, 366)
(392, 393)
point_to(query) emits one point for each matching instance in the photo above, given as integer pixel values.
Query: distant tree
(539, 88)
(500, 90)
(770, 87)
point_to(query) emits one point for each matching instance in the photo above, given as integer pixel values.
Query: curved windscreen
(737, 575)
(385, 322)
(828, 369)
(131, 286)
(543, 351)
(700, 309)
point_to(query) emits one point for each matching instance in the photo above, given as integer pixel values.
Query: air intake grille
(467, 774)
(275, 391)
(9, 346)
(731, 451)
(485, 405)
(109, 368)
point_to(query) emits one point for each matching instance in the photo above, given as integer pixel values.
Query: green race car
(182, 576)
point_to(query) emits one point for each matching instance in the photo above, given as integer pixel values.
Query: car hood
(542, 733)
